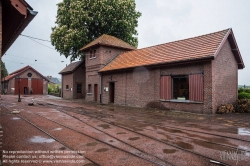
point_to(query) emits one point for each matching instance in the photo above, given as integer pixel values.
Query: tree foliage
(79, 22)
(4, 71)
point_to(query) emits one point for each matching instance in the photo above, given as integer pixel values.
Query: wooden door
(37, 86)
(79, 91)
(95, 92)
(111, 92)
(23, 84)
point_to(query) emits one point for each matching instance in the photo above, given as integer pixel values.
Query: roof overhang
(173, 63)
(16, 15)
(234, 47)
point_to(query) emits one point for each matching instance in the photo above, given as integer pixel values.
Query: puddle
(134, 138)
(39, 139)
(89, 164)
(185, 145)
(92, 144)
(104, 126)
(62, 148)
(102, 150)
(121, 133)
(244, 131)
(15, 118)
(211, 146)
(58, 129)
(210, 139)
(169, 150)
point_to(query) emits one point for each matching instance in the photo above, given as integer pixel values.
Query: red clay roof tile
(108, 41)
(199, 47)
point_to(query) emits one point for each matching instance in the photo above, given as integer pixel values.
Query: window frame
(89, 89)
(172, 89)
(195, 88)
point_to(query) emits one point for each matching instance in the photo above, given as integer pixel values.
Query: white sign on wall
(106, 89)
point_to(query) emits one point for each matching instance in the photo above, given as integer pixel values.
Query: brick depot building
(29, 79)
(73, 80)
(196, 74)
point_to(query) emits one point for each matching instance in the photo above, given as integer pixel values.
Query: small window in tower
(94, 54)
(89, 88)
(90, 55)
(67, 87)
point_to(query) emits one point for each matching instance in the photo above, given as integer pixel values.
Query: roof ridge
(19, 70)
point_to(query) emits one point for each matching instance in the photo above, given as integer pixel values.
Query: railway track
(156, 125)
(167, 143)
(97, 117)
(227, 146)
(160, 162)
(53, 137)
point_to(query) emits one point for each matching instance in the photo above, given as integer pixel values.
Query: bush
(247, 90)
(50, 89)
(244, 95)
(240, 90)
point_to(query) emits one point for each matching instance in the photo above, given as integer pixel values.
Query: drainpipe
(100, 88)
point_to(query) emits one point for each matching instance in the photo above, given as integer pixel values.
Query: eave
(16, 15)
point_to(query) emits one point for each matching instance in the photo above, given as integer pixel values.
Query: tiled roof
(108, 41)
(195, 48)
(71, 67)
(20, 71)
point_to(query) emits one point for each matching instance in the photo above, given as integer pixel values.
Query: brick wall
(67, 79)
(207, 107)
(45, 87)
(138, 87)
(1, 29)
(103, 55)
(79, 78)
(34, 74)
(141, 87)
(225, 77)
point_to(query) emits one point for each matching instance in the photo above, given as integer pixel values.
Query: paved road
(72, 132)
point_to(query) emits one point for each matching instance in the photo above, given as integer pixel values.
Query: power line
(42, 44)
(33, 59)
(34, 38)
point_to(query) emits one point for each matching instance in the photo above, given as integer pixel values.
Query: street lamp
(19, 80)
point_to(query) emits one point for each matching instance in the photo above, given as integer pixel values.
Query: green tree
(79, 22)
(4, 71)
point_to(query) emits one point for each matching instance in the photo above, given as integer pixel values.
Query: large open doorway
(95, 92)
(111, 92)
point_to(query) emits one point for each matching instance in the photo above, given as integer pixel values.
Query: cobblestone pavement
(54, 131)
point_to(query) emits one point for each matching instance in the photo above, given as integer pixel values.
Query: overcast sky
(162, 21)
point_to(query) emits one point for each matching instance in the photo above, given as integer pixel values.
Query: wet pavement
(115, 135)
